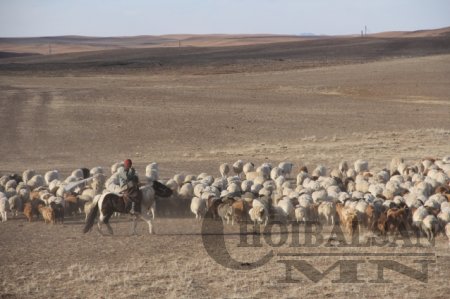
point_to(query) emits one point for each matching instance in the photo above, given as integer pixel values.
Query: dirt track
(189, 120)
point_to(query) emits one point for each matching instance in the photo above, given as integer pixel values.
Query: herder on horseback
(128, 181)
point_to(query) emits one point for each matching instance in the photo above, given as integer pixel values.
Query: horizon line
(305, 34)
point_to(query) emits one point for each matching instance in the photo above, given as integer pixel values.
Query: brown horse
(109, 203)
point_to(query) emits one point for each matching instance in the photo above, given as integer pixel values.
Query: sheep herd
(401, 197)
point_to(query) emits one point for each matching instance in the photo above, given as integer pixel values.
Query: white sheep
(78, 173)
(208, 180)
(394, 164)
(361, 166)
(179, 178)
(301, 177)
(264, 171)
(326, 182)
(327, 212)
(286, 206)
(190, 178)
(10, 184)
(15, 204)
(305, 200)
(152, 172)
(275, 173)
(444, 216)
(259, 212)
(232, 179)
(320, 170)
(376, 189)
(234, 188)
(4, 207)
(36, 182)
(50, 176)
(199, 189)
(198, 207)
(382, 176)
(246, 186)
(430, 226)
(300, 214)
(224, 169)
(319, 195)
(343, 167)
(96, 170)
(362, 186)
(238, 167)
(343, 197)
(335, 173)
(286, 168)
(255, 188)
(418, 216)
(351, 173)
(264, 192)
(186, 191)
(220, 183)
(28, 174)
(248, 167)
(54, 185)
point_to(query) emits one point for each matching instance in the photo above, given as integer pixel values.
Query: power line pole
(49, 49)
(365, 30)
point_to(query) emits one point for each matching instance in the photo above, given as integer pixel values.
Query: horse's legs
(152, 208)
(106, 221)
(133, 226)
(99, 226)
(149, 222)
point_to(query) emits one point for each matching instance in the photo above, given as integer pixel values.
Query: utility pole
(365, 30)
(49, 49)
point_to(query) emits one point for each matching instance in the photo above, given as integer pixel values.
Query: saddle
(132, 195)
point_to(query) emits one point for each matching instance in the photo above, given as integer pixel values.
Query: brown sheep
(212, 204)
(348, 219)
(72, 204)
(240, 210)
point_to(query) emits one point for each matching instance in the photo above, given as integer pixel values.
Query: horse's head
(132, 186)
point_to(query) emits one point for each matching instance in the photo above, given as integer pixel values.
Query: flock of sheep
(404, 197)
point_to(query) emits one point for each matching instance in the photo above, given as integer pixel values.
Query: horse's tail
(91, 217)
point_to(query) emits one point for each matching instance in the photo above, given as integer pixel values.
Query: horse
(109, 202)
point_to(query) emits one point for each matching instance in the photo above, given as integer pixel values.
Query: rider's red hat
(127, 163)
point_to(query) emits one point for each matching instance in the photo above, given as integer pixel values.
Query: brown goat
(381, 223)
(47, 213)
(27, 211)
(370, 218)
(396, 220)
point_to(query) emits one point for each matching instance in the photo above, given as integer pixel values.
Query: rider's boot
(132, 211)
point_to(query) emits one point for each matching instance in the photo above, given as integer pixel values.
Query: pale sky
(19, 18)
